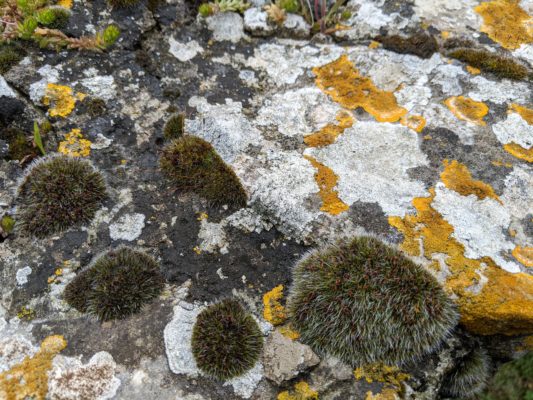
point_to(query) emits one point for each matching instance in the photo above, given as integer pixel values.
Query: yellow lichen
(415, 122)
(301, 391)
(390, 375)
(503, 305)
(445, 34)
(473, 70)
(374, 44)
(519, 151)
(342, 81)
(328, 134)
(197, 250)
(467, 109)
(287, 331)
(60, 99)
(326, 181)
(75, 145)
(29, 379)
(26, 313)
(273, 310)
(524, 112)
(524, 255)
(386, 394)
(505, 22)
(202, 216)
(499, 163)
(65, 3)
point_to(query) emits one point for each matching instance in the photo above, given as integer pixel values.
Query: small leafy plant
(211, 8)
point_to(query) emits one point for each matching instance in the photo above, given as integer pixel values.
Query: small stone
(226, 26)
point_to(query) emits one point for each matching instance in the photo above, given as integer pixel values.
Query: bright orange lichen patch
(502, 305)
(524, 112)
(301, 391)
(386, 394)
(415, 122)
(524, 255)
(65, 3)
(506, 23)
(326, 181)
(287, 331)
(374, 44)
(473, 70)
(29, 379)
(445, 34)
(342, 81)
(519, 151)
(273, 310)
(457, 177)
(75, 144)
(328, 134)
(467, 109)
(378, 372)
(61, 99)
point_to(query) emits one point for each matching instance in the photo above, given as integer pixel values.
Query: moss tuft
(53, 17)
(10, 55)
(95, 106)
(512, 381)
(469, 377)
(59, 192)
(116, 285)
(421, 44)
(194, 166)
(291, 6)
(174, 127)
(503, 67)
(364, 302)
(122, 3)
(226, 340)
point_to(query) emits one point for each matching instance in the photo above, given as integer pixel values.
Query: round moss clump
(364, 302)
(469, 377)
(226, 340)
(59, 192)
(512, 381)
(194, 166)
(174, 127)
(116, 285)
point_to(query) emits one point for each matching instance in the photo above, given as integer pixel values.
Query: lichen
(75, 144)
(457, 177)
(273, 310)
(390, 375)
(326, 181)
(301, 391)
(61, 99)
(524, 112)
(342, 81)
(288, 331)
(386, 394)
(415, 122)
(29, 379)
(505, 22)
(329, 133)
(524, 255)
(467, 109)
(519, 151)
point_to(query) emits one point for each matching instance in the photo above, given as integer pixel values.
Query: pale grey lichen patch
(213, 237)
(525, 51)
(128, 227)
(514, 129)
(296, 25)
(448, 77)
(101, 86)
(226, 26)
(439, 116)
(256, 22)
(101, 142)
(245, 385)
(22, 275)
(248, 220)
(479, 225)
(49, 75)
(499, 91)
(517, 196)
(184, 51)
(14, 345)
(448, 14)
(5, 89)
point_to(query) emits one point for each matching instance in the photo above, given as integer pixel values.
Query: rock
(295, 26)
(285, 359)
(226, 26)
(256, 22)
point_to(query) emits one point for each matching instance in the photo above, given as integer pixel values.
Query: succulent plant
(363, 301)
(58, 192)
(116, 285)
(194, 165)
(226, 340)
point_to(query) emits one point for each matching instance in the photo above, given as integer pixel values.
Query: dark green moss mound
(512, 381)
(363, 301)
(122, 3)
(59, 192)
(95, 106)
(420, 44)
(116, 285)
(10, 55)
(469, 377)
(226, 340)
(194, 165)
(174, 127)
(503, 67)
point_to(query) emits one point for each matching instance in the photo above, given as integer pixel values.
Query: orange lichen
(65, 3)
(29, 378)
(524, 112)
(287, 331)
(445, 34)
(467, 109)
(273, 310)
(473, 70)
(342, 81)
(329, 133)
(390, 375)
(301, 391)
(505, 22)
(524, 255)
(499, 163)
(519, 151)
(61, 99)
(75, 144)
(415, 122)
(386, 394)
(326, 181)
(457, 177)
(374, 44)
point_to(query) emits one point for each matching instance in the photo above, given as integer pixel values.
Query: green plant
(58, 192)
(420, 44)
(469, 377)
(122, 3)
(207, 9)
(37, 138)
(194, 165)
(512, 381)
(116, 285)
(226, 340)
(10, 55)
(501, 66)
(364, 302)
(291, 6)
(174, 127)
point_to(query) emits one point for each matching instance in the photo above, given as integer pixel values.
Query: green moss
(59, 192)
(174, 127)
(10, 55)
(19, 145)
(503, 67)
(205, 10)
(95, 106)
(7, 224)
(226, 340)
(53, 17)
(469, 376)
(512, 381)
(364, 302)
(421, 44)
(291, 6)
(117, 284)
(193, 165)
(122, 3)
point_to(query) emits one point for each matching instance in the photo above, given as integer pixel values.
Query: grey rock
(256, 22)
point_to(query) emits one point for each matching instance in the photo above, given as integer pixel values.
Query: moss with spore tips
(364, 302)
(174, 127)
(119, 283)
(193, 165)
(10, 55)
(512, 381)
(501, 66)
(226, 340)
(59, 192)
(421, 44)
